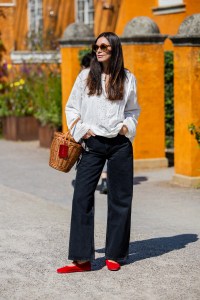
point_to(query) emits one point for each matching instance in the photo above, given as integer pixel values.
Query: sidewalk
(35, 207)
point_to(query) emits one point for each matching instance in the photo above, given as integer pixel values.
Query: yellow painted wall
(187, 109)
(20, 28)
(105, 18)
(147, 63)
(6, 29)
(62, 15)
(70, 68)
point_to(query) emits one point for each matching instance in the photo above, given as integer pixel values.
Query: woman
(85, 63)
(104, 97)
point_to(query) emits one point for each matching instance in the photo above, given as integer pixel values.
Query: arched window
(85, 12)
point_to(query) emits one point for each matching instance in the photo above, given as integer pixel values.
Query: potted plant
(17, 109)
(47, 95)
(3, 77)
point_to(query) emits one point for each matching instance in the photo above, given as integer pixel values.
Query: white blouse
(103, 116)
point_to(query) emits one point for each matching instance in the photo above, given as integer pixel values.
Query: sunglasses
(103, 47)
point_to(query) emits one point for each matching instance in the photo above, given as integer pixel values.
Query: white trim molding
(170, 9)
(169, 2)
(8, 4)
(19, 57)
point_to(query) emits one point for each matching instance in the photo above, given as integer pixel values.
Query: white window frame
(8, 4)
(169, 2)
(166, 7)
(86, 15)
(18, 57)
(35, 15)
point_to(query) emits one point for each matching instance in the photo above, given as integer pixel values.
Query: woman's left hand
(88, 134)
(123, 130)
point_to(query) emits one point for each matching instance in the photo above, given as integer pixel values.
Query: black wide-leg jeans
(119, 153)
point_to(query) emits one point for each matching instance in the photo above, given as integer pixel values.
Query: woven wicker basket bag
(74, 150)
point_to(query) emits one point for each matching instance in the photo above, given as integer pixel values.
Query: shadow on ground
(139, 179)
(140, 250)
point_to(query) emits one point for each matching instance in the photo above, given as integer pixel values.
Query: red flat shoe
(75, 268)
(112, 266)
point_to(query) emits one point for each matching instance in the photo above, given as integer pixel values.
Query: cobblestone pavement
(35, 206)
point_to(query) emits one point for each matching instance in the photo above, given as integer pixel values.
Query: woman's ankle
(81, 261)
(112, 260)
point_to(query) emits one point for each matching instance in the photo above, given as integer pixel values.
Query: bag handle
(67, 134)
(74, 123)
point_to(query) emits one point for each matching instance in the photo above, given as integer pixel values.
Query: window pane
(85, 11)
(35, 15)
(169, 2)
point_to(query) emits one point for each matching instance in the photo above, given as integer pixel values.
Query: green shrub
(169, 99)
(33, 90)
(48, 99)
(3, 76)
(16, 100)
(82, 53)
(195, 130)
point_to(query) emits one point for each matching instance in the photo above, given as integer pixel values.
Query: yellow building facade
(113, 15)
(17, 16)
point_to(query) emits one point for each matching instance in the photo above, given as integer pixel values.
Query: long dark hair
(115, 88)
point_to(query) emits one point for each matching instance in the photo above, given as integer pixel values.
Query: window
(85, 12)
(169, 2)
(35, 16)
(169, 7)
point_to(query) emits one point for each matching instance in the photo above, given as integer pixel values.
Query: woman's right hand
(123, 130)
(88, 134)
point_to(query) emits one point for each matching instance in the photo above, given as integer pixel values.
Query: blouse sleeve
(132, 109)
(73, 110)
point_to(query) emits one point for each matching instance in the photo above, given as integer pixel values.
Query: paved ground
(35, 206)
